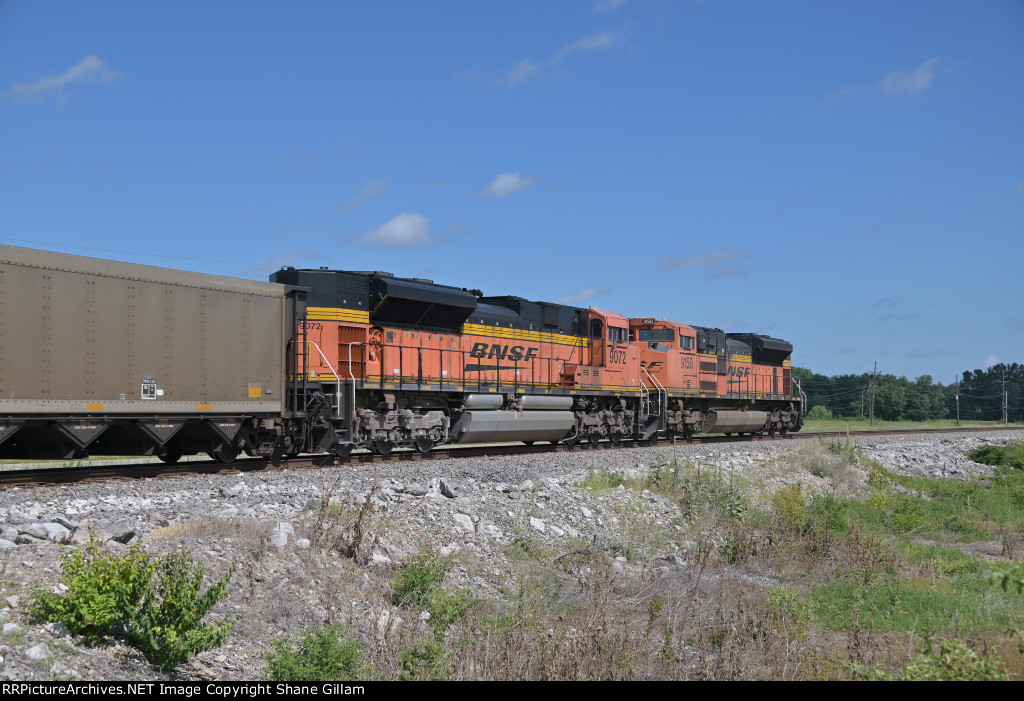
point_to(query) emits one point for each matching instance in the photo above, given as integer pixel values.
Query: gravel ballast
(284, 579)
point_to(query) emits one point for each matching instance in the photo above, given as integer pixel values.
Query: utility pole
(1005, 407)
(957, 400)
(873, 373)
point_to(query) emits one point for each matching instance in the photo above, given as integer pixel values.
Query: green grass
(964, 602)
(833, 425)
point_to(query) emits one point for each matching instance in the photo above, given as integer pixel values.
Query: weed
(425, 660)
(346, 529)
(322, 654)
(954, 660)
(419, 576)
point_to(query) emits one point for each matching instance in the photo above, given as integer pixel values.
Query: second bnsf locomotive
(106, 358)
(383, 362)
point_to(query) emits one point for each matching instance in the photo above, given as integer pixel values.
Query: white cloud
(584, 295)
(903, 82)
(992, 360)
(717, 263)
(608, 5)
(591, 42)
(525, 69)
(404, 231)
(529, 68)
(90, 69)
(897, 83)
(369, 191)
(508, 183)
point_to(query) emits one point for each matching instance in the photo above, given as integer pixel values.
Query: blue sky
(847, 176)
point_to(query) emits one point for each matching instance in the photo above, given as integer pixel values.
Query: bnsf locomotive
(105, 358)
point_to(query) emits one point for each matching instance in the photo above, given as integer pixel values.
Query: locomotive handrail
(661, 391)
(328, 364)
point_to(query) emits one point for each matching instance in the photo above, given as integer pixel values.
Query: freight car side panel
(84, 335)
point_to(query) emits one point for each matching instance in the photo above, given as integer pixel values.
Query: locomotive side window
(596, 328)
(686, 342)
(657, 335)
(616, 334)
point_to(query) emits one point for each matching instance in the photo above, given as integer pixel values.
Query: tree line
(900, 399)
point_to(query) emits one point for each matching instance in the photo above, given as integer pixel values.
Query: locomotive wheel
(531, 442)
(171, 457)
(771, 431)
(687, 432)
(424, 445)
(224, 454)
(383, 447)
(615, 438)
(344, 450)
(782, 431)
(594, 438)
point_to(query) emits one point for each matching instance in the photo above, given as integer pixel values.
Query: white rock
(39, 652)
(279, 534)
(493, 531)
(464, 522)
(537, 524)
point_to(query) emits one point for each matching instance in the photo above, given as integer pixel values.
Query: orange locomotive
(382, 362)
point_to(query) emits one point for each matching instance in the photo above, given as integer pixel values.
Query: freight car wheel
(424, 445)
(594, 438)
(531, 442)
(382, 447)
(615, 438)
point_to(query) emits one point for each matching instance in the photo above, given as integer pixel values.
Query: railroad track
(82, 473)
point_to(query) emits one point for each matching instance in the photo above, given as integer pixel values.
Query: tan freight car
(100, 357)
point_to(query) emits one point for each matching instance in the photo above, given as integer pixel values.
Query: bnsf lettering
(739, 372)
(482, 350)
(686, 362)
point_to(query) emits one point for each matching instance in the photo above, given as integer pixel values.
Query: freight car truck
(106, 358)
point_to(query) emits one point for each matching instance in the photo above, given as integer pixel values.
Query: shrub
(819, 413)
(167, 622)
(1006, 455)
(101, 590)
(789, 505)
(829, 511)
(154, 602)
(322, 654)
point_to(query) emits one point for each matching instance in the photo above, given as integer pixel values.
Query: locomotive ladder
(645, 427)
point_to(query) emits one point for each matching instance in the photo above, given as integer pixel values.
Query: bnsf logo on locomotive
(739, 371)
(482, 350)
